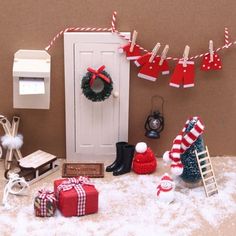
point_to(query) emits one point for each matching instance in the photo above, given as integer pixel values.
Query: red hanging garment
(183, 75)
(151, 70)
(211, 65)
(135, 54)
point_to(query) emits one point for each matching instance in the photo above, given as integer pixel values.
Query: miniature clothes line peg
(134, 38)
(185, 55)
(154, 52)
(211, 51)
(163, 54)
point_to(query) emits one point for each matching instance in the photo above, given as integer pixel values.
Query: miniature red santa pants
(183, 75)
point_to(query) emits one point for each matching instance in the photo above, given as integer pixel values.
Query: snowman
(166, 189)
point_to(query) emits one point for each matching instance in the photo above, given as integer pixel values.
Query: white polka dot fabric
(211, 65)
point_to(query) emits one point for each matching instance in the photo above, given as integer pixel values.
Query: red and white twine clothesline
(114, 30)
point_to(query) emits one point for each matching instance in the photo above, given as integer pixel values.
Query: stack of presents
(72, 196)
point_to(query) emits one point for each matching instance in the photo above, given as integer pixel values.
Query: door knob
(115, 94)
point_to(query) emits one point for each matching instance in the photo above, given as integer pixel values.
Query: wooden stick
(8, 159)
(6, 125)
(15, 126)
(134, 37)
(13, 129)
(163, 54)
(17, 154)
(154, 52)
(211, 50)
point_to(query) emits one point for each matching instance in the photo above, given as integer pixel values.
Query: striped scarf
(181, 143)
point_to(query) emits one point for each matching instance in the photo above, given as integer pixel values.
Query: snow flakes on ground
(128, 206)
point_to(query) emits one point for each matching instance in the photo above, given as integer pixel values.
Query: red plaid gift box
(76, 196)
(45, 203)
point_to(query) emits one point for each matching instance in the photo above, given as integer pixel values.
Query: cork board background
(31, 24)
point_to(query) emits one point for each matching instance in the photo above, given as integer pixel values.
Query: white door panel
(93, 128)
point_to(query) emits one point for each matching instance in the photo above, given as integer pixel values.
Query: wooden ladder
(207, 172)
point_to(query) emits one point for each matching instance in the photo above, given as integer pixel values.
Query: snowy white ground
(128, 206)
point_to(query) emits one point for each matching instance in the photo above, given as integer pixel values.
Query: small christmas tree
(191, 172)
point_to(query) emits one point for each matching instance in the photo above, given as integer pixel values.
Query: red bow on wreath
(98, 73)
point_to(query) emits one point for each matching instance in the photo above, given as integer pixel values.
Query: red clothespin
(163, 54)
(134, 37)
(185, 55)
(211, 51)
(154, 52)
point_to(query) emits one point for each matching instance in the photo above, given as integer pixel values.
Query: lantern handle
(162, 104)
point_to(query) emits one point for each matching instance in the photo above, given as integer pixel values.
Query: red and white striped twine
(113, 21)
(114, 30)
(226, 36)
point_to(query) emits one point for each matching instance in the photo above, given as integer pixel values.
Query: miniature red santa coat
(166, 189)
(135, 54)
(151, 70)
(183, 74)
(144, 161)
(211, 65)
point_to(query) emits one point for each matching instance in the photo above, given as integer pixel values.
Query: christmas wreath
(97, 85)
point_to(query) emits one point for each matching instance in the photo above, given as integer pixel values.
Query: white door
(93, 128)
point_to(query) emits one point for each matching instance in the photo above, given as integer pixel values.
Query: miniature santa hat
(167, 178)
(144, 161)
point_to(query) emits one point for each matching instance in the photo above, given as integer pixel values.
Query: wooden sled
(37, 165)
(34, 166)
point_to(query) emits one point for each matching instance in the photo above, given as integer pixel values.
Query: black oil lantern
(155, 121)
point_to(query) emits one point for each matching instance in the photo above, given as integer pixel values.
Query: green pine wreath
(91, 94)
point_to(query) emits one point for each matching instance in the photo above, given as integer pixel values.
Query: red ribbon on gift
(97, 73)
(45, 195)
(77, 184)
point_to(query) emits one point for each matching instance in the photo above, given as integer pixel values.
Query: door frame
(70, 39)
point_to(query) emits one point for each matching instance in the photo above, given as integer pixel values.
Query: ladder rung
(206, 172)
(208, 185)
(200, 153)
(203, 159)
(208, 178)
(212, 191)
(205, 165)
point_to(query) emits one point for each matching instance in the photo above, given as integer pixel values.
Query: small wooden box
(91, 170)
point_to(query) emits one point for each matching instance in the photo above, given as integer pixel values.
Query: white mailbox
(31, 79)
